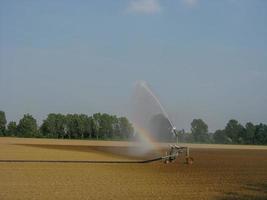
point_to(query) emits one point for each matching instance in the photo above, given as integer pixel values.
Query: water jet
(153, 124)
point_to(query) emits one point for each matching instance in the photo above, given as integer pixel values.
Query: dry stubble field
(219, 172)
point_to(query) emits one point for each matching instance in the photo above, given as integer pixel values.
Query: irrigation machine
(175, 150)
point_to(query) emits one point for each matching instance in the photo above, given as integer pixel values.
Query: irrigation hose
(82, 161)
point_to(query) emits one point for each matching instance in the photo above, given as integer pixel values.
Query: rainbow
(146, 137)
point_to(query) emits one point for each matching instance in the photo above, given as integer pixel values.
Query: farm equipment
(176, 150)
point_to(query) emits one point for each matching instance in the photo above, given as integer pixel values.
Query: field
(219, 172)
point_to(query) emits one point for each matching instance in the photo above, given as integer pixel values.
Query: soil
(218, 172)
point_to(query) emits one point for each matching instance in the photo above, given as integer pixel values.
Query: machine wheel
(166, 161)
(189, 160)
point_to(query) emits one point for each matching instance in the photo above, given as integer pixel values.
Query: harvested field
(219, 172)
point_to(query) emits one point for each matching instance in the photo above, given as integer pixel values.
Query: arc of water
(144, 85)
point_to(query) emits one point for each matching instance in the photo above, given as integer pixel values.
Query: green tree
(261, 134)
(12, 128)
(54, 126)
(27, 127)
(116, 134)
(220, 137)
(72, 126)
(91, 127)
(83, 123)
(126, 128)
(235, 131)
(2, 123)
(106, 126)
(95, 124)
(249, 133)
(200, 130)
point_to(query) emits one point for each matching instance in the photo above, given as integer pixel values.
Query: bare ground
(219, 172)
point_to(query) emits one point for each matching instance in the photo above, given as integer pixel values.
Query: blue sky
(203, 58)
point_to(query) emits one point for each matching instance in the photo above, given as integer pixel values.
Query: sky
(203, 58)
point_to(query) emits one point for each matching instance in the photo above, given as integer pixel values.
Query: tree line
(105, 126)
(233, 133)
(71, 126)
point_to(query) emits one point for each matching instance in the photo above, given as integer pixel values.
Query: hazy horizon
(203, 59)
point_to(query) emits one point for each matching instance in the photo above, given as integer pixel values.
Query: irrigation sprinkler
(176, 150)
(147, 105)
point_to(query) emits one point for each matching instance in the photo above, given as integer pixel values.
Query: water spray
(174, 150)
